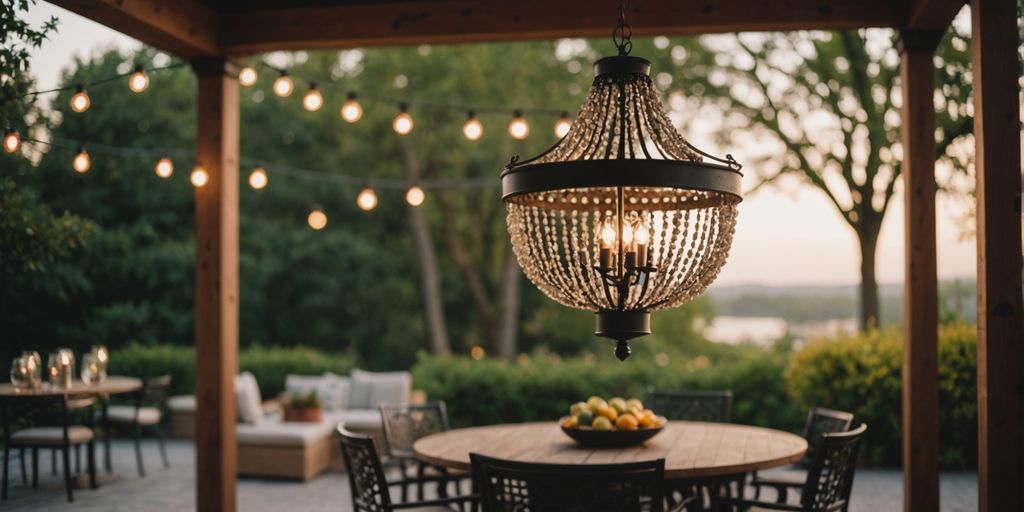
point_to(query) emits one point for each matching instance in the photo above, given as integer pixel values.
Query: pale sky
(786, 235)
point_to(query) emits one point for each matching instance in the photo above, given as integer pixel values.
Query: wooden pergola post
(997, 127)
(920, 288)
(216, 313)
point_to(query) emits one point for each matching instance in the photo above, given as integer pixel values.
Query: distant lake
(765, 330)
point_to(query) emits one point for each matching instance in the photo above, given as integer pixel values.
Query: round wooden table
(112, 385)
(690, 449)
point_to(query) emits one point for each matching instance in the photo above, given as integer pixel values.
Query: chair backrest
(404, 424)
(528, 487)
(154, 390)
(692, 405)
(830, 476)
(365, 474)
(822, 421)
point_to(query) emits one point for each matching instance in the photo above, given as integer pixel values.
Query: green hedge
(269, 365)
(537, 389)
(862, 374)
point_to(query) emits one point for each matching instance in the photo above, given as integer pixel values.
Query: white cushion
(51, 436)
(332, 391)
(343, 385)
(182, 403)
(357, 419)
(126, 414)
(380, 388)
(247, 398)
(280, 433)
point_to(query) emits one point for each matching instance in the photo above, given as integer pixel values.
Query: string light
(80, 100)
(415, 196)
(258, 178)
(247, 76)
(199, 176)
(518, 128)
(351, 110)
(12, 140)
(402, 123)
(473, 129)
(81, 163)
(139, 80)
(367, 199)
(317, 219)
(164, 167)
(313, 100)
(283, 85)
(562, 125)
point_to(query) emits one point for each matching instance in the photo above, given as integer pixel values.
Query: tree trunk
(511, 281)
(429, 273)
(469, 274)
(867, 235)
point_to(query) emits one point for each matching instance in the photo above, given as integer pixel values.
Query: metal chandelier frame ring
(578, 174)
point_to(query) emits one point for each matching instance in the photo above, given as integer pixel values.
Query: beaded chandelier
(622, 216)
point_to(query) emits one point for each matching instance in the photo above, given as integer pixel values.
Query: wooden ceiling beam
(185, 28)
(453, 21)
(932, 15)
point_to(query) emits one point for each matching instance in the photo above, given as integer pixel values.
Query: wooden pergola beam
(185, 28)
(926, 15)
(450, 21)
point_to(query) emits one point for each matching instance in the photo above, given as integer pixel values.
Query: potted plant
(305, 407)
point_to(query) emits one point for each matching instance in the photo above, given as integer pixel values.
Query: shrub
(862, 374)
(269, 365)
(537, 388)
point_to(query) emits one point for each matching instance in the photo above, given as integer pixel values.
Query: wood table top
(113, 385)
(690, 449)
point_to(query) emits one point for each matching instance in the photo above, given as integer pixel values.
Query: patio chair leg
(92, 464)
(66, 452)
(138, 449)
(78, 459)
(21, 458)
(35, 468)
(163, 449)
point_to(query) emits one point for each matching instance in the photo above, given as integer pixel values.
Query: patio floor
(167, 490)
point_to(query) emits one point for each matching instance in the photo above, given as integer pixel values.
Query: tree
(825, 107)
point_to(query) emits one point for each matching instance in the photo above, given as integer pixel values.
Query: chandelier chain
(622, 36)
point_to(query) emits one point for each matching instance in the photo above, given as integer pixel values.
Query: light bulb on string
(80, 101)
(283, 85)
(402, 124)
(351, 110)
(562, 125)
(415, 196)
(518, 127)
(12, 140)
(164, 167)
(258, 178)
(82, 162)
(247, 76)
(367, 199)
(473, 129)
(199, 176)
(313, 100)
(139, 80)
(317, 218)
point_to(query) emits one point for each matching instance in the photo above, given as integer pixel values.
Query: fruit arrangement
(615, 414)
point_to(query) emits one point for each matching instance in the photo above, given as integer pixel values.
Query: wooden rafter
(932, 14)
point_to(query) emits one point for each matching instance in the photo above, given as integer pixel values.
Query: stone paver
(170, 490)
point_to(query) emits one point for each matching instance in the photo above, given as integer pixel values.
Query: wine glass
(21, 375)
(35, 367)
(90, 369)
(102, 356)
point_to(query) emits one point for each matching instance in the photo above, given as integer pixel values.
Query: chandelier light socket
(622, 326)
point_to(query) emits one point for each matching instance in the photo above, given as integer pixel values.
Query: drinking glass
(35, 367)
(102, 360)
(21, 377)
(62, 368)
(90, 369)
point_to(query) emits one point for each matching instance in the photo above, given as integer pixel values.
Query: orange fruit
(570, 422)
(607, 412)
(627, 422)
(647, 418)
(602, 423)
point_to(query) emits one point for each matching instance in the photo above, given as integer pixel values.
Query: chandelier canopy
(622, 216)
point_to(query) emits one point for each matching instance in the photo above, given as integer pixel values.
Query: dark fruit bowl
(611, 438)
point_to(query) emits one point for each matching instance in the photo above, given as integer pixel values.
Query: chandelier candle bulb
(351, 110)
(12, 140)
(80, 100)
(139, 80)
(247, 76)
(283, 85)
(622, 185)
(81, 163)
